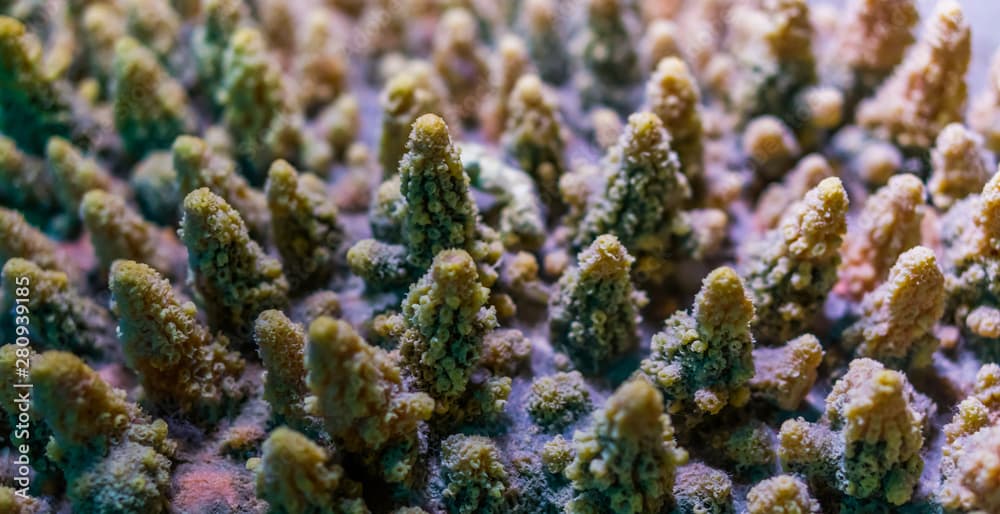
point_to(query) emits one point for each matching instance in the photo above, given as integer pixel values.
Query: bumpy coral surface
(641, 201)
(181, 367)
(281, 345)
(969, 234)
(232, 276)
(118, 232)
(783, 493)
(672, 94)
(969, 458)
(534, 134)
(115, 459)
(61, 318)
(699, 488)
(626, 460)
(703, 359)
(294, 476)
(439, 213)
(897, 325)
(511, 256)
(558, 400)
(306, 229)
(474, 474)
(870, 443)
(446, 317)
(960, 168)
(790, 271)
(593, 313)
(362, 400)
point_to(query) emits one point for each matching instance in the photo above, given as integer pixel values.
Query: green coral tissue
(499, 257)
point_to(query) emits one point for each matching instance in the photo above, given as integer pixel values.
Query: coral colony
(519, 256)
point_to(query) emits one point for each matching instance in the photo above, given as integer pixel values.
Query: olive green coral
(157, 191)
(748, 447)
(14, 503)
(521, 223)
(461, 61)
(134, 477)
(74, 175)
(483, 403)
(534, 135)
(385, 215)
(180, 366)
(221, 19)
(32, 106)
(83, 412)
(869, 447)
(430, 210)
(115, 459)
(233, 278)
(702, 360)
(25, 433)
(557, 454)
(510, 62)
(506, 352)
(362, 399)
(440, 213)
(593, 316)
(897, 319)
(408, 95)
(281, 345)
(24, 184)
(792, 268)
(306, 229)
(546, 43)
(446, 317)
(626, 460)
(58, 316)
(641, 203)
(381, 265)
(474, 475)
(101, 26)
(18, 239)
(610, 60)
(199, 165)
(558, 400)
(672, 94)
(296, 476)
(118, 232)
(257, 110)
(150, 107)
(155, 23)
